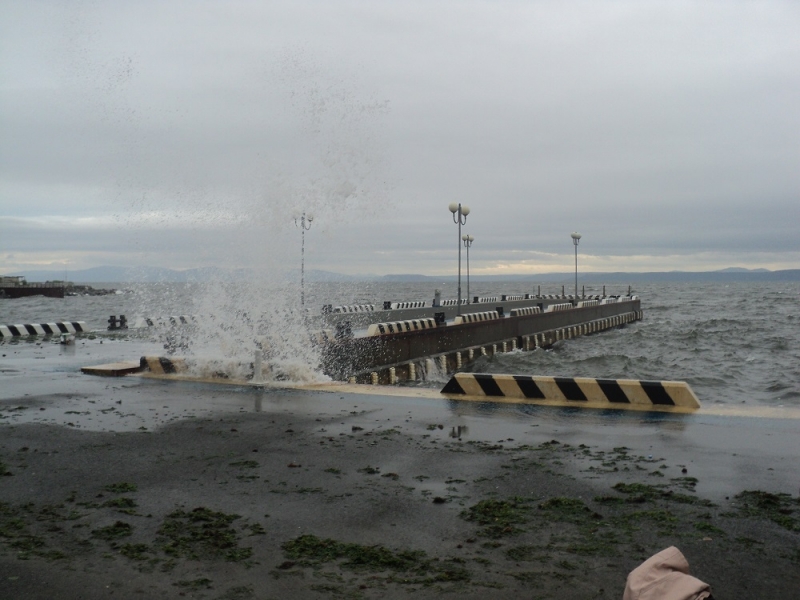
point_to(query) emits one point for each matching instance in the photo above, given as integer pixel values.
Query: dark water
(734, 343)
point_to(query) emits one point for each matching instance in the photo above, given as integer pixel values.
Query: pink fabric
(665, 576)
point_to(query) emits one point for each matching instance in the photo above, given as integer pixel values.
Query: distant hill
(158, 274)
(722, 276)
(741, 270)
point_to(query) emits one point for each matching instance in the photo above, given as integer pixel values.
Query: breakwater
(361, 357)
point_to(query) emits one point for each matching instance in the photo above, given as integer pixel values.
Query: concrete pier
(360, 357)
(405, 351)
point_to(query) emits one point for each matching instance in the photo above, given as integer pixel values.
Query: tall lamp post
(304, 223)
(459, 216)
(468, 239)
(576, 237)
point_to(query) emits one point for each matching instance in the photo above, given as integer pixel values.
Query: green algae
(123, 504)
(778, 508)
(119, 529)
(405, 566)
(380, 558)
(121, 487)
(569, 510)
(499, 517)
(245, 464)
(201, 534)
(137, 552)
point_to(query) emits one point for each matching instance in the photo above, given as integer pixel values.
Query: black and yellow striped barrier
(42, 329)
(574, 391)
(160, 365)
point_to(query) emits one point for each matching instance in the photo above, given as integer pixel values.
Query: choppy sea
(734, 343)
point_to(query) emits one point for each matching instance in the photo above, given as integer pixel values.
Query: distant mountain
(723, 276)
(159, 274)
(741, 270)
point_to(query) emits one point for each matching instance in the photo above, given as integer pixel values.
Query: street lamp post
(468, 239)
(304, 225)
(459, 216)
(576, 237)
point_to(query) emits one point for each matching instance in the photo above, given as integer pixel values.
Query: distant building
(12, 280)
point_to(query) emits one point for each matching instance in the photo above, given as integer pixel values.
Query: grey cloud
(663, 129)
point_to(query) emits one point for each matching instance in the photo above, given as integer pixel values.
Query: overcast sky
(188, 133)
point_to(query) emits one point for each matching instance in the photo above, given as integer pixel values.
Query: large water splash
(331, 168)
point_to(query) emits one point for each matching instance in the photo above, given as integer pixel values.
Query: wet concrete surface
(42, 383)
(361, 468)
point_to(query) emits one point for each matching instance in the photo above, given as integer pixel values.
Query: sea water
(733, 343)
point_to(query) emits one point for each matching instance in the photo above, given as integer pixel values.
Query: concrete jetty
(359, 357)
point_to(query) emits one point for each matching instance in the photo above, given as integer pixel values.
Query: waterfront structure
(467, 239)
(576, 237)
(459, 216)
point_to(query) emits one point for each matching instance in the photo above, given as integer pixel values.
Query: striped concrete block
(355, 308)
(322, 337)
(558, 307)
(528, 310)
(488, 315)
(42, 329)
(487, 299)
(161, 365)
(513, 297)
(416, 304)
(452, 302)
(588, 303)
(400, 326)
(615, 393)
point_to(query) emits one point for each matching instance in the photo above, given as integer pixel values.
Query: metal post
(576, 237)
(468, 239)
(459, 216)
(576, 271)
(467, 273)
(458, 312)
(303, 267)
(305, 224)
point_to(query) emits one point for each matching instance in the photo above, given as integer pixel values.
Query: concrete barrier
(161, 365)
(173, 321)
(400, 326)
(528, 310)
(452, 302)
(117, 369)
(354, 308)
(588, 303)
(398, 305)
(488, 315)
(558, 307)
(114, 323)
(42, 329)
(512, 298)
(478, 300)
(616, 393)
(324, 336)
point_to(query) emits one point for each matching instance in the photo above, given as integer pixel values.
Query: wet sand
(133, 488)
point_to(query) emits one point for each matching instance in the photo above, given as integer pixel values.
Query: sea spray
(331, 167)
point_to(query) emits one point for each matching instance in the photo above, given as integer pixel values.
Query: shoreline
(367, 498)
